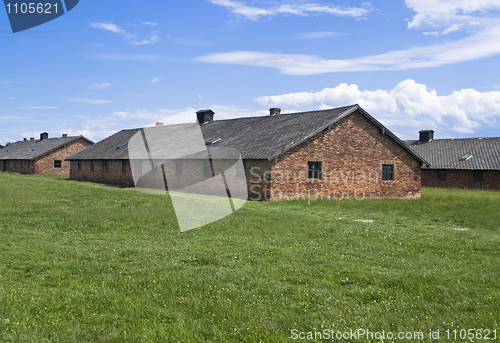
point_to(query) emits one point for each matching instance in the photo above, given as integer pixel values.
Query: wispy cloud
(481, 45)
(318, 35)
(254, 13)
(6, 82)
(129, 37)
(156, 79)
(154, 23)
(129, 57)
(90, 101)
(100, 85)
(408, 107)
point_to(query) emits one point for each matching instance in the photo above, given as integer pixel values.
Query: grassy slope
(85, 262)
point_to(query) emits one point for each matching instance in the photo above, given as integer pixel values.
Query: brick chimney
(159, 123)
(205, 116)
(32, 139)
(65, 135)
(44, 135)
(274, 111)
(426, 136)
(25, 139)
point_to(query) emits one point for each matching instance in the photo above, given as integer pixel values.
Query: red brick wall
(461, 179)
(45, 164)
(113, 176)
(18, 166)
(352, 152)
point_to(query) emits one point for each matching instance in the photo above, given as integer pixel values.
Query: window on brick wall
(388, 172)
(57, 164)
(29, 164)
(441, 175)
(106, 165)
(178, 167)
(79, 165)
(22, 164)
(4, 165)
(15, 165)
(478, 175)
(314, 170)
(124, 166)
(92, 165)
(207, 168)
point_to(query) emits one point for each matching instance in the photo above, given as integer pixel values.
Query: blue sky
(110, 65)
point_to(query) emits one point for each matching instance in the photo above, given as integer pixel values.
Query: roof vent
(44, 135)
(426, 136)
(25, 139)
(32, 139)
(65, 135)
(274, 111)
(205, 116)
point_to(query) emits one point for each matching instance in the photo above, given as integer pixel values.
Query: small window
(57, 164)
(124, 166)
(106, 165)
(92, 165)
(29, 164)
(207, 168)
(178, 167)
(22, 163)
(79, 165)
(441, 175)
(478, 175)
(388, 172)
(314, 170)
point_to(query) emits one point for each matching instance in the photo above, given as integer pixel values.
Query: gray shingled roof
(447, 153)
(31, 150)
(264, 137)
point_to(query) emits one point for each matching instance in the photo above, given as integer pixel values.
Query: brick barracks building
(336, 153)
(43, 156)
(461, 163)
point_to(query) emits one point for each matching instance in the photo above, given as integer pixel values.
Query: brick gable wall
(352, 153)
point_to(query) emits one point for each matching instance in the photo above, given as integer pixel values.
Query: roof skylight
(9, 149)
(466, 157)
(35, 148)
(213, 141)
(121, 146)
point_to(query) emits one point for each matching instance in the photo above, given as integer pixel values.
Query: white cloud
(129, 37)
(156, 79)
(100, 85)
(150, 23)
(6, 82)
(436, 12)
(483, 44)
(90, 101)
(317, 35)
(453, 28)
(254, 13)
(408, 107)
(129, 57)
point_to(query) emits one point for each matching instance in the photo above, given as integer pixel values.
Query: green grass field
(83, 262)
